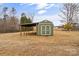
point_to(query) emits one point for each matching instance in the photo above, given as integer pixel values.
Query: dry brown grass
(62, 43)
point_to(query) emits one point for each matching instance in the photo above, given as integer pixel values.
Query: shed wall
(39, 28)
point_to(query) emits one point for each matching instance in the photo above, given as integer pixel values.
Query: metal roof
(28, 24)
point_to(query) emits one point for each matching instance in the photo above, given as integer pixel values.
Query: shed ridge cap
(45, 21)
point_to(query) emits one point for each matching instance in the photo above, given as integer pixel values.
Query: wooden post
(20, 28)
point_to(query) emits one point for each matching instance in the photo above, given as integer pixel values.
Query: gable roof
(46, 21)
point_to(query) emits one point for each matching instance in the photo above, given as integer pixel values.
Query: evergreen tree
(24, 19)
(29, 20)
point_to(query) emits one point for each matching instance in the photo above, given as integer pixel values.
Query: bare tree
(5, 12)
(69, 11)
(4, 18)
(13, 12)
(31, 15)
(14, 20)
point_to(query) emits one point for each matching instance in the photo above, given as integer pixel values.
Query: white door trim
(46, 30)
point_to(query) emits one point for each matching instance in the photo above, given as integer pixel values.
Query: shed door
(46, 30)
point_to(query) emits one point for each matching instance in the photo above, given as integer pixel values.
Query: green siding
(44, 23)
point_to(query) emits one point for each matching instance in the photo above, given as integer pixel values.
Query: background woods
(10, 23)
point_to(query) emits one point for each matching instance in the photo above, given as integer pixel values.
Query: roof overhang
(29, 24)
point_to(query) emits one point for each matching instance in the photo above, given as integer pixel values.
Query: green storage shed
(44, 28)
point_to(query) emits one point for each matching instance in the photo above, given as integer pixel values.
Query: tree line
(10, 22)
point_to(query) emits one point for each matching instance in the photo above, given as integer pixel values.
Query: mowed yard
(62, 43)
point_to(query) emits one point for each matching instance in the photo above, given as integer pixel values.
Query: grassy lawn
(62, 43)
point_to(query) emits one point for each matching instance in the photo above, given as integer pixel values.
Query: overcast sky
(41, 11)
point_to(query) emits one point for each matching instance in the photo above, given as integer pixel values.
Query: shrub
(68, 26)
